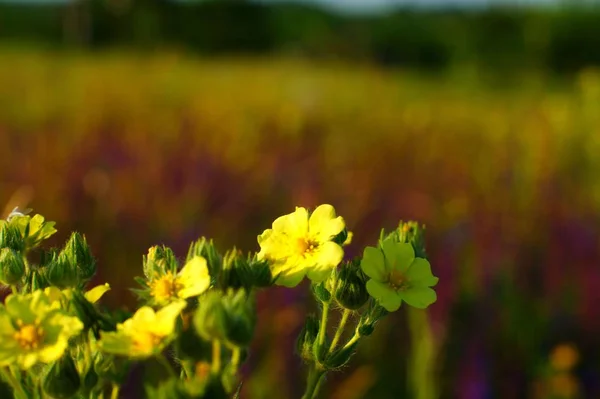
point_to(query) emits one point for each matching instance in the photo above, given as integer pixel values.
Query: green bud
(62, 380)
(79, 254)
(413, 233)
(341, 237)
(10, 237)
(111, 368)
(206, 249)
(261, 273)
(90, 381)
(241, 313)
(61, 272)
(190, 345)
(84, 310)
(351, 292)
(38, 280)
(12, 266)
(307, 337)
(236, 272)
(321, 293)
(366, 329)
(160, 260)
(211, 319)
(340, 357)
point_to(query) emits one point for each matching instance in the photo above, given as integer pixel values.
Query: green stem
(114, 394)
(323, 326)
(340, 330)
(165, 363)
(216, 356)
(313, 383)
(354, 338)
(14, 289)
(12, 380)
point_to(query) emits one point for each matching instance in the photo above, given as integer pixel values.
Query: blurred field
(136, 150)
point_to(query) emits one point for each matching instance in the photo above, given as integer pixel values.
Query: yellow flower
(34, 329)
(93, 295)
(192, 280)
(145, 334)
(299, 245)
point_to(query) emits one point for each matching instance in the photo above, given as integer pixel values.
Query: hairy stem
(340, 329)
(313, 382)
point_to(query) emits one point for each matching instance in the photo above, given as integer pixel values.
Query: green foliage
(204, 314)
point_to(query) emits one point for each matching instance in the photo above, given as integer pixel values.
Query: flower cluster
(197, 315)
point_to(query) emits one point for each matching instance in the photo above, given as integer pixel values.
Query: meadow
(135, 150)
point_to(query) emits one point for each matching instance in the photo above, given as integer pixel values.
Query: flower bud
(10, 237)
(340, 357)
(261, 273)
(307, 337)
(413, 233)
(12, 266)
(321, 293)
(78, 252)
(84, 310)
(365, 330)
(343, 238)
(207, 250)
(190, 345)
(90, 381)
(62, 381)
(235, 273)
(160, 260)
(351, 290)
(242, 317)
(61, 272)
(211, 319)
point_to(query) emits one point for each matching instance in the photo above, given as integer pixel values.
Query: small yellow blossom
(192, 280)
(300, 245)
(34, 329)
(146, 333)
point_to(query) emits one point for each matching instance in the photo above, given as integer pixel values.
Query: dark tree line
(560, 41)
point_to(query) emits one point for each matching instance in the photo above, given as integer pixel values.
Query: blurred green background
(141, 122)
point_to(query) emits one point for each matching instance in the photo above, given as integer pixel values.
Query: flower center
(165, 287)
(29, 336)
(145, 341)
(396, 280)
(306, 246)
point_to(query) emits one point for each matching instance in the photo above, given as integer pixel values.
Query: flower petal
(289, 277)
(97, 292)
(294, 224)
(419, 297)
(419, 274)
(398, 256)
(165, 318)
(323, 224)
(194, 277)
(373, 264)
(327, 255)
(386, 296)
